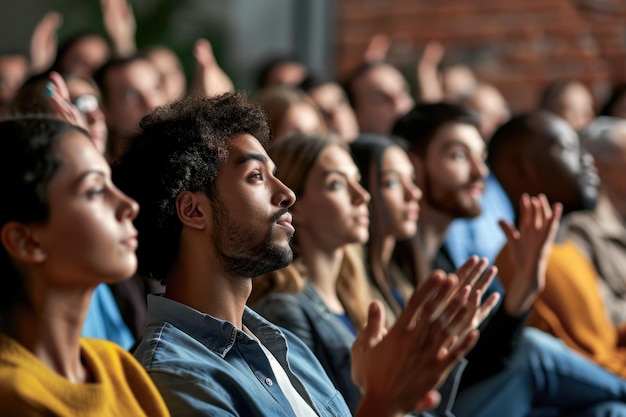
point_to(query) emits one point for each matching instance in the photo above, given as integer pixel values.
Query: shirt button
(269, 382)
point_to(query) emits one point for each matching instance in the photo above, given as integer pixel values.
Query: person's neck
(323, 268)
(432, 227)
(50, 327)
(199, 280)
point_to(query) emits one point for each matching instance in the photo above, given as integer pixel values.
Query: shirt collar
(216, 334)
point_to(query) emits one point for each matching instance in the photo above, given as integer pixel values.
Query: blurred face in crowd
(87, 100)
(575, 105)
(85, 56)
(338, 114)
(491, 108)
(454, 171)
(399, 195)
(381, 96)
(286, 73)
(301, 117)
(13, 69)
(561, 169)
(171, 71)
(332, 209)
(132, 91)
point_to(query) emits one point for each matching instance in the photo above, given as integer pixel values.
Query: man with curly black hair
(214, 215)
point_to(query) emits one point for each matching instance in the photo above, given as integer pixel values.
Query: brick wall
(518, 45)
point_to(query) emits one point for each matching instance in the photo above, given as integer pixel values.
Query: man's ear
(21, 242)
(190, 210)
(420, 168)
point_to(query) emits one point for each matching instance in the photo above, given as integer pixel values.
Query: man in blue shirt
(214, 215)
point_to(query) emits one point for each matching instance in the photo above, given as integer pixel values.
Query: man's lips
(285, 221)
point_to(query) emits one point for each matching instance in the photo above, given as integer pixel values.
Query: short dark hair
(28, 163)
(178, 148)
(420, 125)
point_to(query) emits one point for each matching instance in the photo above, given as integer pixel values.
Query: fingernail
(49, 88)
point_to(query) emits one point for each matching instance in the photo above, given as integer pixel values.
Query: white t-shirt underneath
(299, 406)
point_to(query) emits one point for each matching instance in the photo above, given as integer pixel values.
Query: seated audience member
(539, 152)
(389, 175)
(331, 306)
(481, 235)
(68, 230)
(615, 105)
(490, 107)
(379, 95)
(105, 319)
(332, 101)
(601, 233)
(283, 70)
(290, 111)
(322, 296)
(130, 88)
(512, 371)
(85, 95)
(13, 71)
(170, 69)
(214, 215)
(570, 100)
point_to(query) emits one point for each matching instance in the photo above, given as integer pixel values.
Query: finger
(462, 347)
(486, 308)
(546, 210)
(429, 401)
(476, 273)
(510, 231)
(374, 329)
(203, 52)
(536, 220)
(525, 211)
(464, 270)
(424, 292)
(59, 84)
(486, 279)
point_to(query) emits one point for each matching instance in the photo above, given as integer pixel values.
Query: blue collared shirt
(204, 366)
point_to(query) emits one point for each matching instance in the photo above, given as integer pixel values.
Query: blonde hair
(295, 157)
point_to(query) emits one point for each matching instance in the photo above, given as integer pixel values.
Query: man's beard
(239, 254)
(448, 202)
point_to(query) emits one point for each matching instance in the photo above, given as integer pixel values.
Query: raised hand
(119, 22)
(427, 72)
(472, 273)
(60, 99)
(209, 79)
(529, 248)
(399, 371)
(43, 42)
(377, 48)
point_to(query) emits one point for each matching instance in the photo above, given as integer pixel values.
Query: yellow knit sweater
(571, 308)
(122, 387)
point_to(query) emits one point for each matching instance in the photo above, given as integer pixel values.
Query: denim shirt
(204, 366)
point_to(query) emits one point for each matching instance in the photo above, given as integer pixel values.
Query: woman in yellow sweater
(64, 229)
